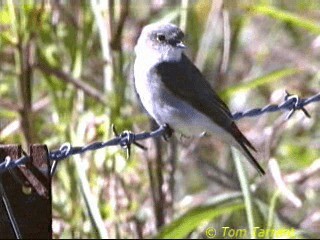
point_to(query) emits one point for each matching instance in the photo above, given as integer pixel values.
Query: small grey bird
(174, 92)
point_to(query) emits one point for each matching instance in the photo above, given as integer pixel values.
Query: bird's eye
(161, 37)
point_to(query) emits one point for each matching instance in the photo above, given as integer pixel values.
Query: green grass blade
(259, 81)
(288, 17)
(245, 187)
(189, 221)
(272, 210)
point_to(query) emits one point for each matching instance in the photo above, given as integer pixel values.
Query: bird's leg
(168, 131)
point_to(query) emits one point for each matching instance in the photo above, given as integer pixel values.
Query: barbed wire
(291, 103)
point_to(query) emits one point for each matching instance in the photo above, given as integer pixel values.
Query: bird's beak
(180, 45)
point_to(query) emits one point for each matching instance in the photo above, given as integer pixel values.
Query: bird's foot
(168, 131)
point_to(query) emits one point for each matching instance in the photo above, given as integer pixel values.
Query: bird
(176, 94)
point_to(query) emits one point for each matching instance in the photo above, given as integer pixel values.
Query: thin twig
(105, 33)
(8, 105)
(13, 126)
(159, 204)
(116, 38)
(304, 174)
(226, 42)
(208, 33)
(86, 88)
(286, 193)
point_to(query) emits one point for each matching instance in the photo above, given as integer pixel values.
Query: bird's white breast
(144, 86)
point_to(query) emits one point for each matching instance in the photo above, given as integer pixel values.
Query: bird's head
(162, 41)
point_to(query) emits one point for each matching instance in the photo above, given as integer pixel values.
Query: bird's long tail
(242, 143)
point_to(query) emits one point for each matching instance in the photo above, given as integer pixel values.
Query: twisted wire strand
(292, 103)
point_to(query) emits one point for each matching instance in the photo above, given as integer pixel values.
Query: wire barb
(63, 152)
(291, 103)
(7, 161)
(127, 139)
(296, 105)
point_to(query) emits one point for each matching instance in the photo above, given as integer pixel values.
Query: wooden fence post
(27, 193)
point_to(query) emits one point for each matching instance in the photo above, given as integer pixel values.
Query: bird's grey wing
(185, 80)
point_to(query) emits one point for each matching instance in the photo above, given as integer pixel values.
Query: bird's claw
(168, 131)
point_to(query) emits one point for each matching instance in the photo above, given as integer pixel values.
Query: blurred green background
(66, 76)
